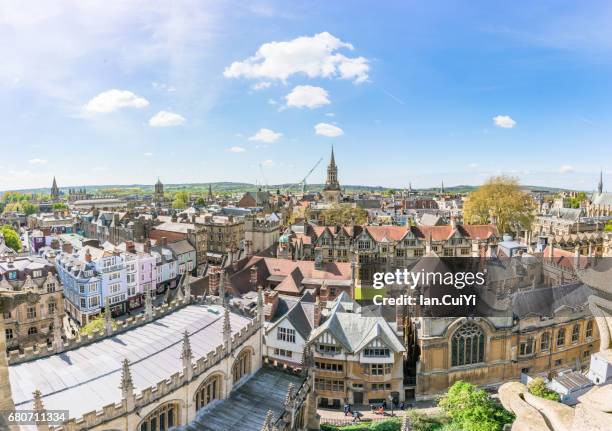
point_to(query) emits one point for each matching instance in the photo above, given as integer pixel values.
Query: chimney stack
(129, 247)
(164, 241)
(254, 273)
(147, 246)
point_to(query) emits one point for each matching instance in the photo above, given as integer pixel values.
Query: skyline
(198, 93)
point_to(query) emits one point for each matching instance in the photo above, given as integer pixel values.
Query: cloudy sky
(118, 92)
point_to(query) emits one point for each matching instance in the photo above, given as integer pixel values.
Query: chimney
(317, 314)
(87, 255)
(193, 218)
(147, 246)
(271, 299)
(67, 247)
(453, 222)
(164, 241)
(129, 247)
(213, 282)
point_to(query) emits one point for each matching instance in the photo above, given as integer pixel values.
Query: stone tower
(600, 184)
(158, 196)
(331, 191)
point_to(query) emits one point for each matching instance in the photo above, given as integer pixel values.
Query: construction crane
(303, 181)
(263, 176)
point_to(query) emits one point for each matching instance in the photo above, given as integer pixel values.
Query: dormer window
(376, 352)
(328, 349)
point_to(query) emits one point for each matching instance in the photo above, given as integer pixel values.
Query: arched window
(561, 337)
(575, 333)
(545, 341)
(467, 345)
(242, 366)
(161, 419)
(589, 329)
(32, 330)
(208, 391)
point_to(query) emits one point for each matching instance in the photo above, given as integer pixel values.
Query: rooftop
(92, 373)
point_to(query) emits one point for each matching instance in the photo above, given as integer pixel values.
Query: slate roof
(181, 247)
(300, 315)
(91, 374)
(355, 331)
(546, 301)
(247, 406)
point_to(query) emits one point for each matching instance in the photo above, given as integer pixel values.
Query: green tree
(538, 388)
(500, 197)
(471, 408)
(343, 215)
(96, 325)
(575, 201)
(200, 201)
(59, 206)
(608, 226)
(11, 238)
(181, 200)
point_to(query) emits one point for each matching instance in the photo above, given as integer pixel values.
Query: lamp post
(391, 402)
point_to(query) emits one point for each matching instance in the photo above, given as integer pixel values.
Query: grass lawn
(389, 425)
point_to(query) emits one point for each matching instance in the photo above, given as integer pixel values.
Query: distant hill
(236, 187)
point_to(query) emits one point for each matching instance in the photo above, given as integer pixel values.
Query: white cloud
(37, 161)
(266, 135)
(166, 119)
(148, 154)
(329, 130)
(236, 149)
(566, 169)
(261, 85)
(316, 57)
(330, 114)
(504, 121)
(268, 163)
(307, 96)
(112, 100)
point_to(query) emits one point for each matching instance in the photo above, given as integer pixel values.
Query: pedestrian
(357, 416)
(346, 409)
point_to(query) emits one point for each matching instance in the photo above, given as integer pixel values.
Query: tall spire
(54, 190)
(600, 185)
(332, 161)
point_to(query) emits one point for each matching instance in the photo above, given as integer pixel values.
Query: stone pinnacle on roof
(127, 385)
(38, 403)
(260, 303)
(58, 342)
(186, 354)
(148, 304)
(290, 395)
(108, 324)
(267, 425)
(227, 329)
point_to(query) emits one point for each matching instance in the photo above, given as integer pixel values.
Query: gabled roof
(298, 317)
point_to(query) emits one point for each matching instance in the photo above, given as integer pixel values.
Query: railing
(347, 421)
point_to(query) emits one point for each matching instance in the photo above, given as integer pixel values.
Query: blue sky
(120, 92)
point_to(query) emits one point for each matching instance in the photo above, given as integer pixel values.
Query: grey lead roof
(88, 378)
(247, 406)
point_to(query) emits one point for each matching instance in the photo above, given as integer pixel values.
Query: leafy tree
(181, 200)
(500, 197)
(21, 206)
(96, 325)
(59, 206)
(608, 226)
(538, 388)
(11, 238)
(200, 201)
(343, 215)
(575, 201)
(470, 408)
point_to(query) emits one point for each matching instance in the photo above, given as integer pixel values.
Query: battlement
(43, 350)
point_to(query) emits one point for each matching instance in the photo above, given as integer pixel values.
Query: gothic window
(467, 345)
(545, 341)
(32, 330)
(589, 329)
(561, 337)
(575, 333)
(161, 419)
(209, 391)
(242, 366)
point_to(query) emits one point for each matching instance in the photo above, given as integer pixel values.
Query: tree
(96, 325)
(11, 238)
(470, 408)
(59, 206)
(343, 215)
(200, 201)
(500, 197)
(538, 388)
(181, 200)
(575, 201)
(608, 226)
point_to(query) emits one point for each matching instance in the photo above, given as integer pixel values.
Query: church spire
(600, 185)
(54, 190)
(332, 161)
